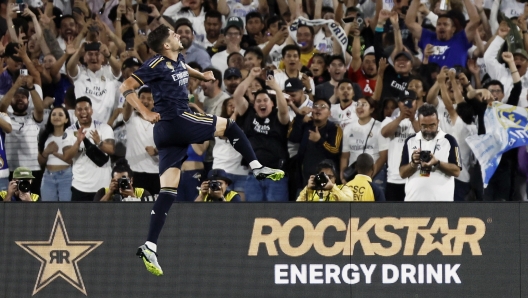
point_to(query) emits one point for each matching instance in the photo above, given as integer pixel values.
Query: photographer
(19, 188)
(322, 187)
(430, 160)
(121, 188)
(215, 188)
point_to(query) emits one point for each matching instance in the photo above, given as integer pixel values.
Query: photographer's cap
(218, 174)
(23, 173)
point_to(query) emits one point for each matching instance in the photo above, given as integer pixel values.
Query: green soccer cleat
(265, 172)
(150, 259)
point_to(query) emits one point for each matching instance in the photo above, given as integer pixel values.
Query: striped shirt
(22, 143)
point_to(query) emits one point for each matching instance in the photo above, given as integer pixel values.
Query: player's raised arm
(127, 89)
(206, 76)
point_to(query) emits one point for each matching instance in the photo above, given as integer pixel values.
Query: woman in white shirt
(57, 178)
(364, 136)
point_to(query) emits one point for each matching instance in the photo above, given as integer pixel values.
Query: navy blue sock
(159, 212)
(239, 141)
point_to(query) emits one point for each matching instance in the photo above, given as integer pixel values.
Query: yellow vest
(138, 191)
(361, 188)
(230, 195)
(34, 197)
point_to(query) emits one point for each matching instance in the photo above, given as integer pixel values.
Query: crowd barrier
(267, 250)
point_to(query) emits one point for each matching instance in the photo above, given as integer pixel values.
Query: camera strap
(368, 135)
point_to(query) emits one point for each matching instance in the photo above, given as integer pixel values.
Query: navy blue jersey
(168, 80)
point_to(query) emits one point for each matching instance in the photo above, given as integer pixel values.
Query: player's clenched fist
(151, 117)
(208, 76)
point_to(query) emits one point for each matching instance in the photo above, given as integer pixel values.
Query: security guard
(215, 188)
(362, 187)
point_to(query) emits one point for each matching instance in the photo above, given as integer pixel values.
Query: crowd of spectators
(345, 96)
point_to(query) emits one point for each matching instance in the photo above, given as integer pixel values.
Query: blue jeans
(266, 190)
(4, 183)
(239, 182)
(56, 186)
(381, 178)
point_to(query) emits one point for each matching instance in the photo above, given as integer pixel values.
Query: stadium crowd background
(353, 73)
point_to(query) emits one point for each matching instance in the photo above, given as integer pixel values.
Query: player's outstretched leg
(241, 144)
(167, 196)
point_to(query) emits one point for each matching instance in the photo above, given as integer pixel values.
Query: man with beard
(298, 104)
(21, 143)
(362, 71)
(191, 51)
(430, 160)
(232, 78)
(93, 79)
(213, 94)
(319, 139)
(337, 70)
(68, 29)
(450, 48)
(213, 28)
(344, 111)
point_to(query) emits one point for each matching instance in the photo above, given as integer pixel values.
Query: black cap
(232, 72)
(235, 22)
(403, 53)
(293, 84)
(92, 46)
(218, 174)
(130, 62)
(10, 51)
(406, 96)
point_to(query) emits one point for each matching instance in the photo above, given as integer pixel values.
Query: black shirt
(393, 83)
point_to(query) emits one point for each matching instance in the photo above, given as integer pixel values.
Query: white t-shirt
(140, 134)
(5, 172)
(22, 143)
(354, 137)
(461, 131)
(438, 186)
(175, 12)
(102, 89)
(219, 60)
(281, 77)
(61, 143)
(343, 117)
(87, 176)
(404, 130)
(227, 158)
(293, 148)
(444, 119)
(237, 9)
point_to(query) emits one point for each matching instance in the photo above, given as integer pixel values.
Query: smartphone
(349, 20)
(144, 8)
(21, 6)
(129, 44)
(23, 72)
(270, 74)
(141, 32)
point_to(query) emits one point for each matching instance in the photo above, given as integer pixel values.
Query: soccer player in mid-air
(177, 127)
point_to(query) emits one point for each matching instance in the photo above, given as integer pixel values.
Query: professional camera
(425, 156)
(23, 185)
(320, 181)
(215, 185)
(124, 183)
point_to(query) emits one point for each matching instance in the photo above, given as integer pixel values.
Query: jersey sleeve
(106, 132)
(346, 140)
(454, 151)
(383, 142)
(149, 71)
(405, 152)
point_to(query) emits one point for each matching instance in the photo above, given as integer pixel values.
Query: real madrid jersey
(168, 80)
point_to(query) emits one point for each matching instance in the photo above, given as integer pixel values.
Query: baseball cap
(234, 22)
(232, 72)
(218, 174)
(293, 84)
(521, 52)
(23, 173)
(407, 55)
(406, 96)
(130, 62)
(10, 51)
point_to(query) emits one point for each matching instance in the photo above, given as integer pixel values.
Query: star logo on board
(59, 257)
